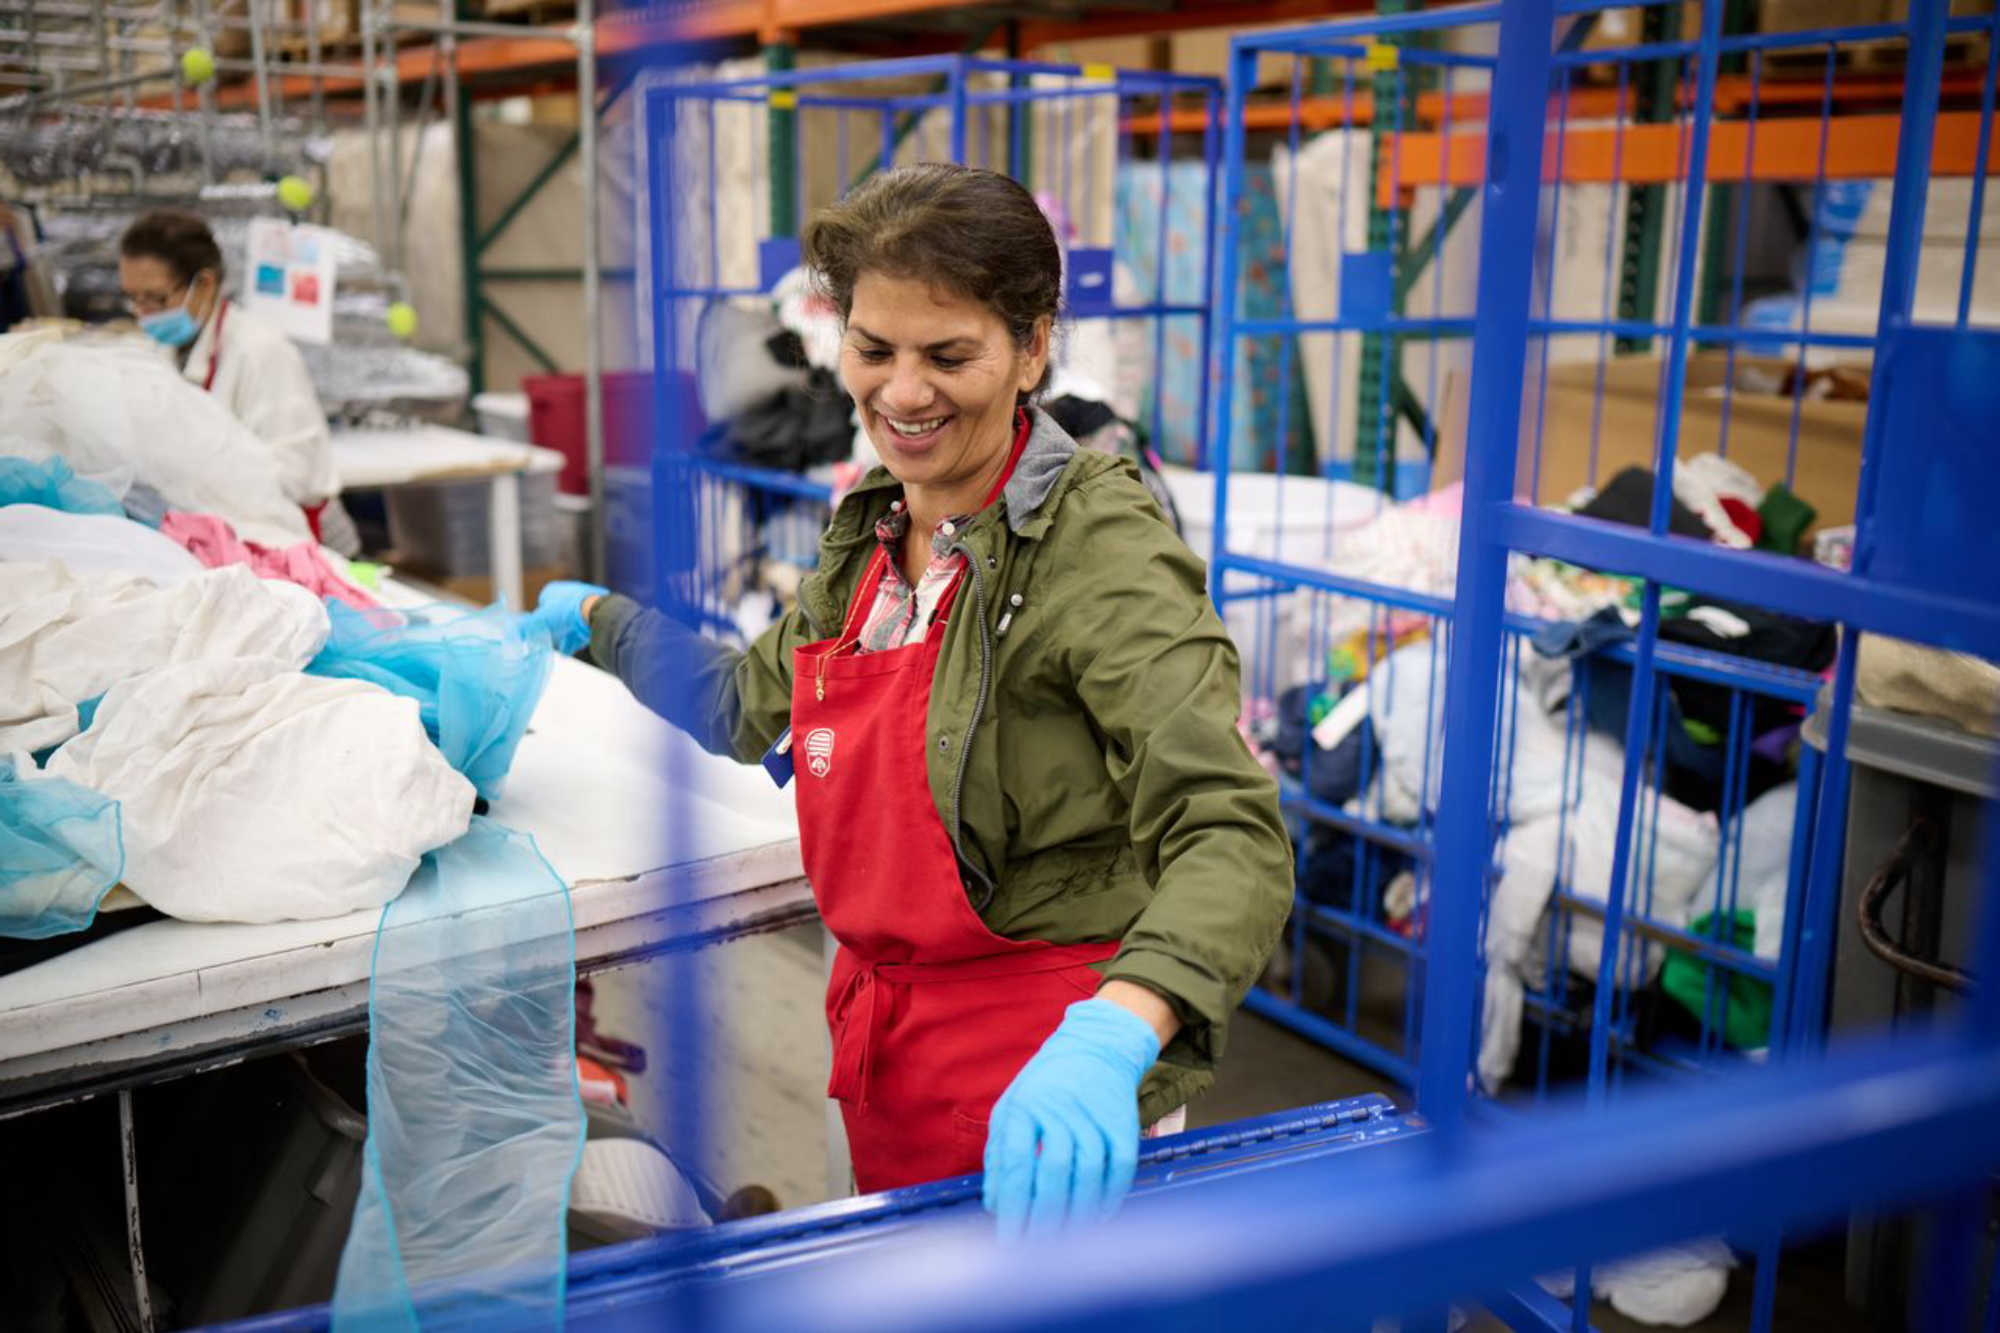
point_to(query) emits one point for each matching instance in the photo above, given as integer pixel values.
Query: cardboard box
(1826, 473)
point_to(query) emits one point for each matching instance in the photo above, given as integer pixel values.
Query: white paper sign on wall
(288, 277)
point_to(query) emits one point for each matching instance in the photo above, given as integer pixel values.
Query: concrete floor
(762, 1077)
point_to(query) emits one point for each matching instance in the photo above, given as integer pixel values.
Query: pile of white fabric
(121, 414)
(249, 790)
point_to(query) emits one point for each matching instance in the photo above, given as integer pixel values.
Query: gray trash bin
(1916, 788)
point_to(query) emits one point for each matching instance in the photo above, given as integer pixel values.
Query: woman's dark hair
(180, 240)
(973, 232)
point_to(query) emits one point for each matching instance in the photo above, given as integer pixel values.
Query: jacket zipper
(978, 709)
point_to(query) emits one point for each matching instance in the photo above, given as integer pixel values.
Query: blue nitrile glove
(559, 614)
(1077, 1102)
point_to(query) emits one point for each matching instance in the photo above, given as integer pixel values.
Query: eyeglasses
(147, 303)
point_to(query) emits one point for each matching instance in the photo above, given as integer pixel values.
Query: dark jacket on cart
(1081, 744)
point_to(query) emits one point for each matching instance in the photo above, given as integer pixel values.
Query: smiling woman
(949, 282)
(1050, 860)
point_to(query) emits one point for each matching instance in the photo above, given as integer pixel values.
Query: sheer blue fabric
(61, 850)
(52, 482)
(475, 679)
(475, 1126)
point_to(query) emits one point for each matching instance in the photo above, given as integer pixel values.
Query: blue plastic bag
(476, 680)
(61, 850)
(54, 483)
(475, 1125)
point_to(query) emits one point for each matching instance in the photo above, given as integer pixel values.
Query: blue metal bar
(764, 479)
(1712, 334)
(1665, 445)
(1211, 150)
(1285, 328)
(828, 102)
(1370, 1233)
(1725, 955)
(1150, 311)
(1529, 1307)
(1789, 971)
(1357, 925)
(1812, 244)
(1315, 38)
(1761, 41)
(1140, 79)
(1975, 218)
(1066, 96)
(1499, 359)
(1327, 582)
(1797, 587)
(1164, 145)
(1549, 277)
(660, 115)
(958, 108)
(1636, 54)
(1742, 248)
(1388, 835)
(1222, 357)
(1330, 1035)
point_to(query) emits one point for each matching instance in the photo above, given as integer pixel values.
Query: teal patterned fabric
(1269, 404)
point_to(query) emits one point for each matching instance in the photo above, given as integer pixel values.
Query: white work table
(375, 458)
(662, 846)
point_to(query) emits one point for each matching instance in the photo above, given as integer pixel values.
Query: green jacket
(1082, 744)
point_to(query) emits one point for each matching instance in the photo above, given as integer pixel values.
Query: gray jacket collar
(1048, 452)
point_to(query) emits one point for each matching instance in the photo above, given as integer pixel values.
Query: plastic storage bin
(442, 529)
(504, 416)
(556, 421)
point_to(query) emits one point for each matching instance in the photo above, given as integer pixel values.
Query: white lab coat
(261, 378)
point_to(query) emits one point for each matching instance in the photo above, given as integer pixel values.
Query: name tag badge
(777, 760)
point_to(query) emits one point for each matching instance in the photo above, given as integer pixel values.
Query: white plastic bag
(254, 792)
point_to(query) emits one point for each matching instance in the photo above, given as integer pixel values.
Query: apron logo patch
(819, 751)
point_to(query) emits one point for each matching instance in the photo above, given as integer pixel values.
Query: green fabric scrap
(1746, 1021)
(1786, 518)
(1700, 732)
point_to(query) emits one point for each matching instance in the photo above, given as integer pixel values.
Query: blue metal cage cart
(1124, 163)
(1641, 926)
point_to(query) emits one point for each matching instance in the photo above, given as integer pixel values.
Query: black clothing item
(1628, 498)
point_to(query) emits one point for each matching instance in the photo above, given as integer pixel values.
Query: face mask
(175, 328)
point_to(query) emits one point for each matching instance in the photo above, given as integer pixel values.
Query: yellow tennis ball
(197, 65)
(295, 193)
(403, 320)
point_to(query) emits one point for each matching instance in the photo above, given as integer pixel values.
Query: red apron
(932, 1014)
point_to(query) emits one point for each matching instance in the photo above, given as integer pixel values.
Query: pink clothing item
(214, 543)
